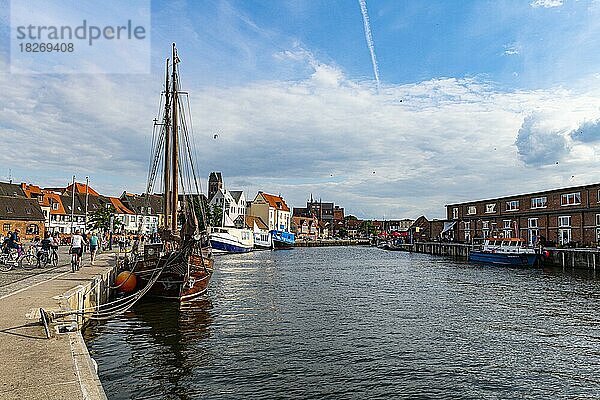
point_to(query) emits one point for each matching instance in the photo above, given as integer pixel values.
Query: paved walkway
(32, 366)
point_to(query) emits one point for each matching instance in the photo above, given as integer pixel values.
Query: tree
(366, 228)
(350, 218)
(343, 233)
(101, 219)
(215, 215)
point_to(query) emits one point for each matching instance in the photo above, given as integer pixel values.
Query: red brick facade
(563, 216)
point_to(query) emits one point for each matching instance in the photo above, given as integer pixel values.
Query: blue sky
(476, 99)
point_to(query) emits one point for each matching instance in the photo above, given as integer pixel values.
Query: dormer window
(28, 211)
(9, 210)
(55, 206)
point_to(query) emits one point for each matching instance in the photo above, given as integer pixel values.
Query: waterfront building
(147, 211)
(272, 209)
(307, 227)
(233, 203)
(19, 211)
(565, 216)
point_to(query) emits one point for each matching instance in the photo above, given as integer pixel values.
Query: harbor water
(359, 322)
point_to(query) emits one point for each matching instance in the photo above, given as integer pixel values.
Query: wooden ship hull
(182, 278)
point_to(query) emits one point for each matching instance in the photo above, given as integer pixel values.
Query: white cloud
(407, 151)
(546, 3)
(512, 49)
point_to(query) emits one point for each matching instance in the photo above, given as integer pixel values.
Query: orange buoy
(126, 281)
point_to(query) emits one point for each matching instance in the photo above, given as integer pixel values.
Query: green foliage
(366, 228)
(100, 220)
(215, 215)
(350, 218)
(343, 233)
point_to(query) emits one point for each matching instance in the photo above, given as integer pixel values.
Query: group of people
(79, 241)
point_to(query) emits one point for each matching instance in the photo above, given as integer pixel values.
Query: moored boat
(505, 251)
(282, 239)
(231, 240)
(181, 265)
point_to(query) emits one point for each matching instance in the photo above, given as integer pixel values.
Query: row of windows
(567, 199)
(563, 221)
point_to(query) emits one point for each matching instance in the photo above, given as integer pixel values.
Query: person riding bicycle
(77, 245)
(14, 242)
(45, 244)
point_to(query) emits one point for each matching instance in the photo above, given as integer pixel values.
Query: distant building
(566, 216)
(215, 183)
(148, 211)
(19, 211)
(233, 203)
(271, 209)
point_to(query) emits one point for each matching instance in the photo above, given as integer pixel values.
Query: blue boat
(282, 239)
(508, 251)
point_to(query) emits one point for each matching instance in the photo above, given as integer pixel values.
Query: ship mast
(175, 159)
(167, 159)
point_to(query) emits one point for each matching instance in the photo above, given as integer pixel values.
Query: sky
(475, 99)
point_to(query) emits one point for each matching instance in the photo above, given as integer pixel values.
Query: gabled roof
(119, 206)
(236, 194)
(81, 189)
(51, 198)
(20, 208)
(11, 189)
(251, 220)
(135, 202)
(276, 202)
(30, 190)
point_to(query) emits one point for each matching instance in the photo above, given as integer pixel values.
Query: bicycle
(75, 261)
(46, 257)
(29, 260)
(9, 258)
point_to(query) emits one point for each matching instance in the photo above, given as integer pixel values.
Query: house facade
(566, 216)
(19, 211)
(233, 203)
(272, 210)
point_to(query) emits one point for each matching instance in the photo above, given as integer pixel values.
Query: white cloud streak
(546, 3)
(369, 38)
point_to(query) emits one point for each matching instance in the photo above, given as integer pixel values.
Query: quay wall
(325, 242)
(584, 258)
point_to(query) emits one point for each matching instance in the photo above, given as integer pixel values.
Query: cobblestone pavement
(17, 278)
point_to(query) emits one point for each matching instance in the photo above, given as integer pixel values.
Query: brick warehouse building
(567, 216)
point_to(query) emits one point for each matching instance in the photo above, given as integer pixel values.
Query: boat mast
(175, 159)
(167, 160)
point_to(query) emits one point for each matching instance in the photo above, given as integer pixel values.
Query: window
(532, 223)
(28, 210)
(564, 236)
(564, 221)
(512, 205)
(507, 231)
(33, 229)
(539, 202)
(455, 213)
(467, 225)
(107, 205)
(597, 219)
(485, 224)
(471, 210)
(9, 210)
(570, 199)
(490, 208)
(55, 206)
(40, 199)
(6, 227)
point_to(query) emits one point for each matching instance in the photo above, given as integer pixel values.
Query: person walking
(77, 245)
(93, 247)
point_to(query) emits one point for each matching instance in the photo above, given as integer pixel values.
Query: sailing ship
(180, 265)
